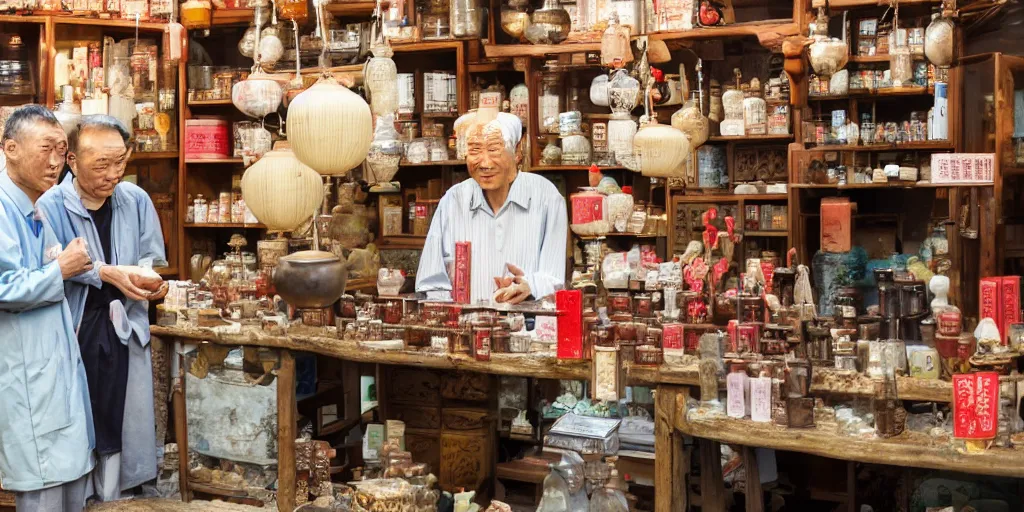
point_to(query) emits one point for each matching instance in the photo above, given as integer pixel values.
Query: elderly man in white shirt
(516, 223)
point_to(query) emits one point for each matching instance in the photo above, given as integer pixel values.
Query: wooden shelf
(211, 103)
(753, 28)
(143, 26)
(224, 225)
(520, 365)
(15, 18)
(352, 8)
(538, 50)
(426, 46)
(751, 139)
(890, 185)
(883, 92)
(152, 155)
(552, 168)
(837, 5)
(767, 233)
(215, 161)
(439, 115)
(436, 163)
(869, 59)
(1012, 170)
(617, 235)
(401, 242)
(839, 382)
(223, 17)
(485, 67)
(361, 283)
(730, 198)
(940, 145)
(912, 449)
(171, 272)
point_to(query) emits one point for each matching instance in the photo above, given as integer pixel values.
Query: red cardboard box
(836, 229)
(569, 304)
(999, 299)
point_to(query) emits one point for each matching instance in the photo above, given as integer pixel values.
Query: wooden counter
(831, 381)
(522, 365)
(908, 449)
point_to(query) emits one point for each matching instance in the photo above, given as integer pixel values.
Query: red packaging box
(975, 405)
(836, 229)
(672, 337)
(569, 304)
(999, 299)
(461, 292)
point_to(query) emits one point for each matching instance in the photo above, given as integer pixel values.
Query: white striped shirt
(529, 231)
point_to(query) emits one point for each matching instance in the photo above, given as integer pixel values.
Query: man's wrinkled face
(100, 162)
(36, 157)
(490, 163)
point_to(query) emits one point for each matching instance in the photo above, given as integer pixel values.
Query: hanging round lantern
(938, 41)
(257, 95)
(330, 127)
(271, 50)
(660, 150)
(281, 191)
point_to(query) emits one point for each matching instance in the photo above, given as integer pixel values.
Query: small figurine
(939, 286)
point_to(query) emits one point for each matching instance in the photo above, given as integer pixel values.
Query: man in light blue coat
(46, 436)
(109, 304)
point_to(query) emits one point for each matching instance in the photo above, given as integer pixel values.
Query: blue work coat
(46, 431)
(135, 235)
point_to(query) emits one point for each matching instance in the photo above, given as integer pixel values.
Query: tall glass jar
(385, 151)
(550, 103)
(381, 78)
(615, 49)
(732, 103)
(716, 111)
(466, 18)
(901, 62)
(519, 99)
(620, 139)
(755, 110)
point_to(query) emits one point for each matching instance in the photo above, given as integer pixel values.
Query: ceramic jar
(599, 90)
(575, 150)
(514, 23)
(732, 103)
(310, 279)
(755, 111)
(692, 122)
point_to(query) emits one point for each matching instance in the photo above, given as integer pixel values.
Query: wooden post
(669, 466)
(712, 485)
(181, 427)
(755, 496)
(286, 433)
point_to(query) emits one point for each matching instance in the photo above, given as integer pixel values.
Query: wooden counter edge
(898, 451)
(544, 367)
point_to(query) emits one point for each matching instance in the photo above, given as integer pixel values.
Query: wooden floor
(163, 505)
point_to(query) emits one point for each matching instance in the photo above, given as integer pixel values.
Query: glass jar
(552, 154)
(615, 49)
(716, 110)
(466, 18)
(623, 94)
(620, 208)
(575, 150)
(901, 62)
(755, 110)
(435, 26)
(732, 103)
(196, 14)
(519, 101)
(381, 78)
(691, 121)
(385, 151)
(620, 139)
(550, 103)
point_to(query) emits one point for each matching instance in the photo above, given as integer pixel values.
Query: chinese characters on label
(963, 167)
(976, 405)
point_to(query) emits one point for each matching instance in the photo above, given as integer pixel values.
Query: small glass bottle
(755, 110)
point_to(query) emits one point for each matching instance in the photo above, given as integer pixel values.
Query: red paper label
(1010, 303)
(587, 209)
(672, 336)
(462, 279)
(989, 299)
(748, 337)
(768, 269)
(976, 405)
(570, 318)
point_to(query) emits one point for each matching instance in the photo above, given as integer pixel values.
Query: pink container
(206, 139)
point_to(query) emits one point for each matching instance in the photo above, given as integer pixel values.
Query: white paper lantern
(330, 127)
(660, 150)
(257, 95)
(281, 191)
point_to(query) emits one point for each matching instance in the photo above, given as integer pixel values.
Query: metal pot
(310, 279)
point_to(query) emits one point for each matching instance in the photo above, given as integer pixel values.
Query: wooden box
(412, 386)
(472, 387)
(425, 446)
(465, 461)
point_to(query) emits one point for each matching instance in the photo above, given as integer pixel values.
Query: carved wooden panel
(464, 461)
(464, 419)
(768, 164)
(472, 387)
(415, 416)
(689, 224)
(425, 446)
(412, 386)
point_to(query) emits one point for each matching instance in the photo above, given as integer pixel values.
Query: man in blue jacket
(46, 436)
(109, 304)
